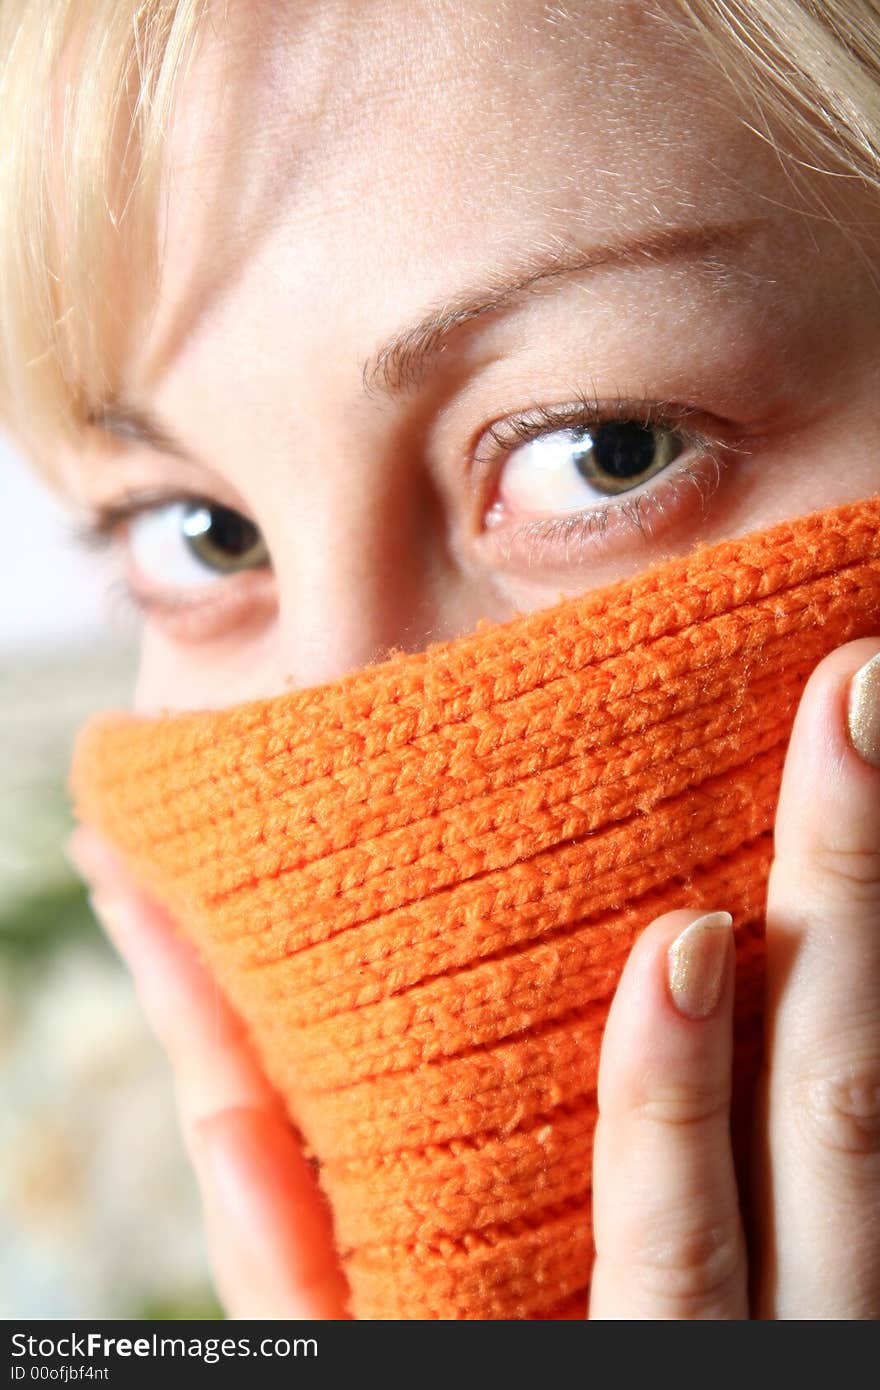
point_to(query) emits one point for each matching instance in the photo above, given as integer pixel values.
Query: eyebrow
(124, 420)
(403, 361)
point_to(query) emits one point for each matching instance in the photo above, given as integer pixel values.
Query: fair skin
(381, 161)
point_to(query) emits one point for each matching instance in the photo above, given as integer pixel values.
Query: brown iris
(617, 456)
(222, 539)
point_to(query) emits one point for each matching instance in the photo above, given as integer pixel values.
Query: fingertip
(835, 693)
(273, 1233)
(140, 931)
(666, 943)
(675, 995)
(828, 794)
(114, 915)
(179, 997)
(91, 856)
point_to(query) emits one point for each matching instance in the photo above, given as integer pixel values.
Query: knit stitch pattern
(418, 885)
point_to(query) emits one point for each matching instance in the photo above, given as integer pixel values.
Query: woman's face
(466, 307)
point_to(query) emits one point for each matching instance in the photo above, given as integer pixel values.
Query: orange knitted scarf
(418, 885)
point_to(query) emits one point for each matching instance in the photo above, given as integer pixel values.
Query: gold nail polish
(696, 963)
(863, 711)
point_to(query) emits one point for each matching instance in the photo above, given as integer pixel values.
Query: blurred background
(99, 1216)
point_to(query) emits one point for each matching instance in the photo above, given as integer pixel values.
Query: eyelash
(102, 529)
(585, 411)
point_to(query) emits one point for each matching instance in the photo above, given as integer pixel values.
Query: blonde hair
(79, 184)
(80, 175)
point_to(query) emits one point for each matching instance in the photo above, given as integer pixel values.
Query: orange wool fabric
(418, 885)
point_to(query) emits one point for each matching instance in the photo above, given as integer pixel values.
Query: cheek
(833, 460)
(207, 675)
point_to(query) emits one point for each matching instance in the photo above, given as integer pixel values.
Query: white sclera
(542, 475)
(160, 550)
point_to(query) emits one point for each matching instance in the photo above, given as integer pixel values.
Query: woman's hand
(666, 1210)
(267, 1222)
(666, 1213)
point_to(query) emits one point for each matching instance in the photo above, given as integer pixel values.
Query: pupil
(624, 449)
(220, 532)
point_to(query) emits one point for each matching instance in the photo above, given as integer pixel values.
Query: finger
(821, 1188)
(267, 1222)
(179, 999)
(666, 1219)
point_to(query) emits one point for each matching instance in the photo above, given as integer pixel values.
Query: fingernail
(695, 964)
(863, 711)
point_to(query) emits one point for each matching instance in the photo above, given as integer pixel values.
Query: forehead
(443, 131)
(337, 95)
(345, 164)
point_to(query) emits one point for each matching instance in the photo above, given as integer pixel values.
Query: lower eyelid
(579, 537)
(235, 604)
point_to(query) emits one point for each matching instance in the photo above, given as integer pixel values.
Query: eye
(560, 487)
(185, 543)
(564, 470)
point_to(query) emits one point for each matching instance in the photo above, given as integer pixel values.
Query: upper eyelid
(107, 517)
(101, 529)
(511, 430)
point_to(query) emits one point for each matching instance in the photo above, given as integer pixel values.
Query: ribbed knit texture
(418, 886)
